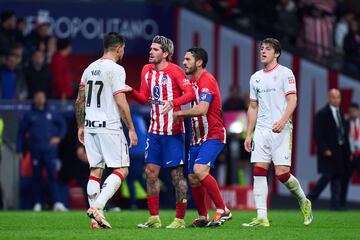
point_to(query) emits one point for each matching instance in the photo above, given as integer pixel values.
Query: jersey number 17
(91, 83)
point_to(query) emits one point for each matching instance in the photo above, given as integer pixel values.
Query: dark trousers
(136, 172)
(335, 188)
(345, 180)
(47, 159)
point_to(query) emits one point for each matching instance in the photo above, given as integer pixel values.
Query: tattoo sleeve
(179, 183)
(80, 108)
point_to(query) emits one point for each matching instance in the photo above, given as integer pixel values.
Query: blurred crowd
(36, 61)
(327, 29)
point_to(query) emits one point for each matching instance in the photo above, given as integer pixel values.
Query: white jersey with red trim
(269, 89)
(102, 80)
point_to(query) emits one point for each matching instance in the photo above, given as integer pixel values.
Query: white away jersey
(269, 89)
(102, 79)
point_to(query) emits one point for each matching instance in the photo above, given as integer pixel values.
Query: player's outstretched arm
(142, 96)
(124, 109)
(199, 110)
(80, 113)
(188, 93)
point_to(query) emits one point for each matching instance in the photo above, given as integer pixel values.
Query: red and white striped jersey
(156, 86)
(209, 126)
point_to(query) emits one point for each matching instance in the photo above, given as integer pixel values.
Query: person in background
(38, 75)
(354, 140)
(61, 71)
(333, 149)
(46, 129)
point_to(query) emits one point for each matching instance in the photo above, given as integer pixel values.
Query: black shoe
(199, 223)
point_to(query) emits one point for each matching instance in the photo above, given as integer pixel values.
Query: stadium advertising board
(85, 23)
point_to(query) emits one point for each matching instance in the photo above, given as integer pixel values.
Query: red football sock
(180, 210)
(153, 204)
(198, 195)
(213, 190)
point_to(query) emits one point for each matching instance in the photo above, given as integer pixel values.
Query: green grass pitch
(75, 225)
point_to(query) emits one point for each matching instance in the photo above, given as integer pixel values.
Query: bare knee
(121, 172)
(194, 181)
(201, 171)
(151, 174)
(96, 172)
(280, 170)
(177, 174)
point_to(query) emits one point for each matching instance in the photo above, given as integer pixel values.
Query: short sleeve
(118, 80)
(253, 93)
(83, 80)
(289, 82)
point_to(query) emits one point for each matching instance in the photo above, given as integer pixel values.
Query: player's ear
(165, 54)
(199, 63)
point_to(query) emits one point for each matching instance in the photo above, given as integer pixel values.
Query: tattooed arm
(80, 113)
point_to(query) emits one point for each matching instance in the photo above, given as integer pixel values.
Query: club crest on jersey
(164, 80)
(203, 96)
(156, 92)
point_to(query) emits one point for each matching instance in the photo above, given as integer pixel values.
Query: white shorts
(268, 146)
(105, 148)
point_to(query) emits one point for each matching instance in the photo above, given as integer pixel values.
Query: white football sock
(260, 196)
(110, 186)
(93, 190)
(294, 187)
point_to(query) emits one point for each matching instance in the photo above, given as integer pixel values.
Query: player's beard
(154, 60)
(191, 70)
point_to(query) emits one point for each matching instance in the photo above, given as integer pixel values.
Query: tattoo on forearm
(80, 108)
(179, 183)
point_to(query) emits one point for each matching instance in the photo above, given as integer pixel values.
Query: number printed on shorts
(91, 83)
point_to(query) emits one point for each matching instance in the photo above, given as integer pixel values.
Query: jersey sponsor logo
(157, 102)
(291, 80)
(258, 90)
(186, 81)
(156, 92)
(205, 90)
(95, 124)
(257, 80)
